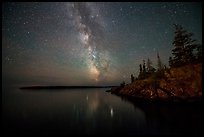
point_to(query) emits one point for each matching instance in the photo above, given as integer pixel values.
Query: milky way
(60, 43)
(91, 36)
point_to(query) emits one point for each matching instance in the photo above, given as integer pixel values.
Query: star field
(89, 43)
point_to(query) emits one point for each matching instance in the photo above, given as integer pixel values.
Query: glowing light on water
(111, 112)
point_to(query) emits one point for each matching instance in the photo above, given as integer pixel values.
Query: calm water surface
(92, 111)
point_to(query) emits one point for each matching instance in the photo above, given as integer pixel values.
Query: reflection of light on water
(111, 112)
(93, 102)
(93, 105)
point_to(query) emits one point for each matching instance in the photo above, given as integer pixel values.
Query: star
(90, 43)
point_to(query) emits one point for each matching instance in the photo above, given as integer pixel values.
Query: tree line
(185, 51)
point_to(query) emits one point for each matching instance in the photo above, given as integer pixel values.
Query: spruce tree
(183, 47)
(140, 68)
(159, 63)
(170, 62)
(149, 66)
(144, 67)
(132, 78)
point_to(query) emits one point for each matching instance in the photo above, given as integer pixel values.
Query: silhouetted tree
(144, 67)
(190, 47)
(170, 62)
(148, 64)
(142, 73)
(140, 68)
(183, 47)
(150, 69)
(132, 78)
(178, 43)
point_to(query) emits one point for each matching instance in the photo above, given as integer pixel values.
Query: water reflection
(93, 102)
(111, 111)
(89, 111)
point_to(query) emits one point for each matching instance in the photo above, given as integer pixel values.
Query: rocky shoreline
(183, 84)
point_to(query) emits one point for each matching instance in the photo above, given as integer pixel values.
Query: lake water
(92, 111)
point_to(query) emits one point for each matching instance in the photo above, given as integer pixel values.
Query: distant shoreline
(64, 87)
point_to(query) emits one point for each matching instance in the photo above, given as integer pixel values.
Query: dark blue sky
(89, 43)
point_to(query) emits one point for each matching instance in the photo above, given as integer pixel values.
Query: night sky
(89, 43)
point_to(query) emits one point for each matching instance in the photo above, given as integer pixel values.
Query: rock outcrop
(183, 83)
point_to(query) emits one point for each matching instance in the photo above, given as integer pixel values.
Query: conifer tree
(170, 62)
(140, 68)
(150, 68)
(132, 78)
(184, 47)
(148, 65)
(144, 67)
(159, 63)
